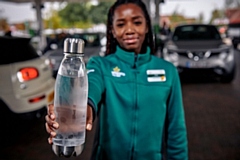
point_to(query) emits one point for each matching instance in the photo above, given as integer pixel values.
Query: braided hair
(111, 42)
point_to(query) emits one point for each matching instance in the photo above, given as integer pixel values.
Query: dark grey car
(199, 47)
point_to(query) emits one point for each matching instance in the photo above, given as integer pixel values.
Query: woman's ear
(146, 30)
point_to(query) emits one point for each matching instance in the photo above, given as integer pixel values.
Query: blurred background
(46, 18)
(31, 45)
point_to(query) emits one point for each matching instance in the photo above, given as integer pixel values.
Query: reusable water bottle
(70, 100)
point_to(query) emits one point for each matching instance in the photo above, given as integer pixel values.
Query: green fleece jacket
(134, 95)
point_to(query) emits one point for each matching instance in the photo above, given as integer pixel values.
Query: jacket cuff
(91, 104)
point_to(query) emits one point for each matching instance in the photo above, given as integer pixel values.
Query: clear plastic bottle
(70, 100)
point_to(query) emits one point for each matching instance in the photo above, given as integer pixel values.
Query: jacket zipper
(135, 109)
(135, 60)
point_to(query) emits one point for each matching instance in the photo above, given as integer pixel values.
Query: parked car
(26, 81)
(93, 47)
(233, 31)
(200, 48)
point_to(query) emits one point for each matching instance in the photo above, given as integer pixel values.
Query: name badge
(157, 75)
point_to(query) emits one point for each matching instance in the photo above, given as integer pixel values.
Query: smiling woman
(135, 95)
(128, 22)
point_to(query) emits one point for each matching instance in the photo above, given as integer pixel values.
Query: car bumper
(41, 97)
(219, 65)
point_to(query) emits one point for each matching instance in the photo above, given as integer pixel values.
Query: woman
(136, 95)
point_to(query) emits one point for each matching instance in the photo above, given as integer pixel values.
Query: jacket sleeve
(177, 144)
(95, 82)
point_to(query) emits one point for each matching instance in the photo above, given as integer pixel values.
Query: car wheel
(34, 115)
(5, 111)
(235, 45)
(229, 77)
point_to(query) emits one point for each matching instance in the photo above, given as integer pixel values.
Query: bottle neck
(73, 55)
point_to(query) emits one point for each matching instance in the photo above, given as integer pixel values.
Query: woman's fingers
(50, 124)
(50, 140)
(51, 132)
(89, 118)
(51, 111)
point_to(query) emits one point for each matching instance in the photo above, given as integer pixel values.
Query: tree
(98, 13)
(217, 14)
(53, 21)
(74, 13)
(78, 15)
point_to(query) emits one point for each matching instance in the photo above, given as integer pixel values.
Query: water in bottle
(70, 100)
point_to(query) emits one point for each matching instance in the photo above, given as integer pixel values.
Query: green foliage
(178, 18)
(98, 14)
(80, 15)
(84, 14)
(74, 13)
(54, 21)
(216, 14)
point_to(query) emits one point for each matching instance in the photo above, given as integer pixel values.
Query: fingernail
(49, 141)
(89, 127)
(52, 116)
(52, 133)
(55, 125)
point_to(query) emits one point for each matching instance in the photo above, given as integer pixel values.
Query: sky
(15, 13)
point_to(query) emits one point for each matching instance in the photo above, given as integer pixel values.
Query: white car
(26, 81)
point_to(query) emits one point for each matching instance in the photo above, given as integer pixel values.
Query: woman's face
(129, 27)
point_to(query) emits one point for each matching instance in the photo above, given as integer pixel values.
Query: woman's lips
(130, 40)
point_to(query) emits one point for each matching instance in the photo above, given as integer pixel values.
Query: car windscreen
(196, 32)
(91, 40)
(15, 49)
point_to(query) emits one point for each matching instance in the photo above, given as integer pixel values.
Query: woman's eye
(120, 24)
(138, 22)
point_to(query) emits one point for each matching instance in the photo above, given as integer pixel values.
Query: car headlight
(224, 53)
(173, 56)
(170, 55)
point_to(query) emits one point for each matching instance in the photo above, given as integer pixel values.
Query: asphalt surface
(212, 112)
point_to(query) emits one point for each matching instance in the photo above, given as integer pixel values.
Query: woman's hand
(89, 118)
(52, 125)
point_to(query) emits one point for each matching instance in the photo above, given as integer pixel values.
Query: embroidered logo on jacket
(156, 75)
(116, 72)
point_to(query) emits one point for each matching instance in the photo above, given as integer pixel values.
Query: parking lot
(212, 112)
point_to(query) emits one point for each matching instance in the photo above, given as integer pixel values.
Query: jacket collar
(131, 58)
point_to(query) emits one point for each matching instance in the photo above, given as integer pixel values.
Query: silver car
(200, 48)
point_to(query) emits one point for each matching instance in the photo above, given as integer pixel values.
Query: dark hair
(111, 42)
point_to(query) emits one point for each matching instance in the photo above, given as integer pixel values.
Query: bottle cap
(73, 46)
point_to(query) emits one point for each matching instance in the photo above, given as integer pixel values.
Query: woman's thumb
(89, 118)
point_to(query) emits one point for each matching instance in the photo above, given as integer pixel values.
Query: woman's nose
(130, 29)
